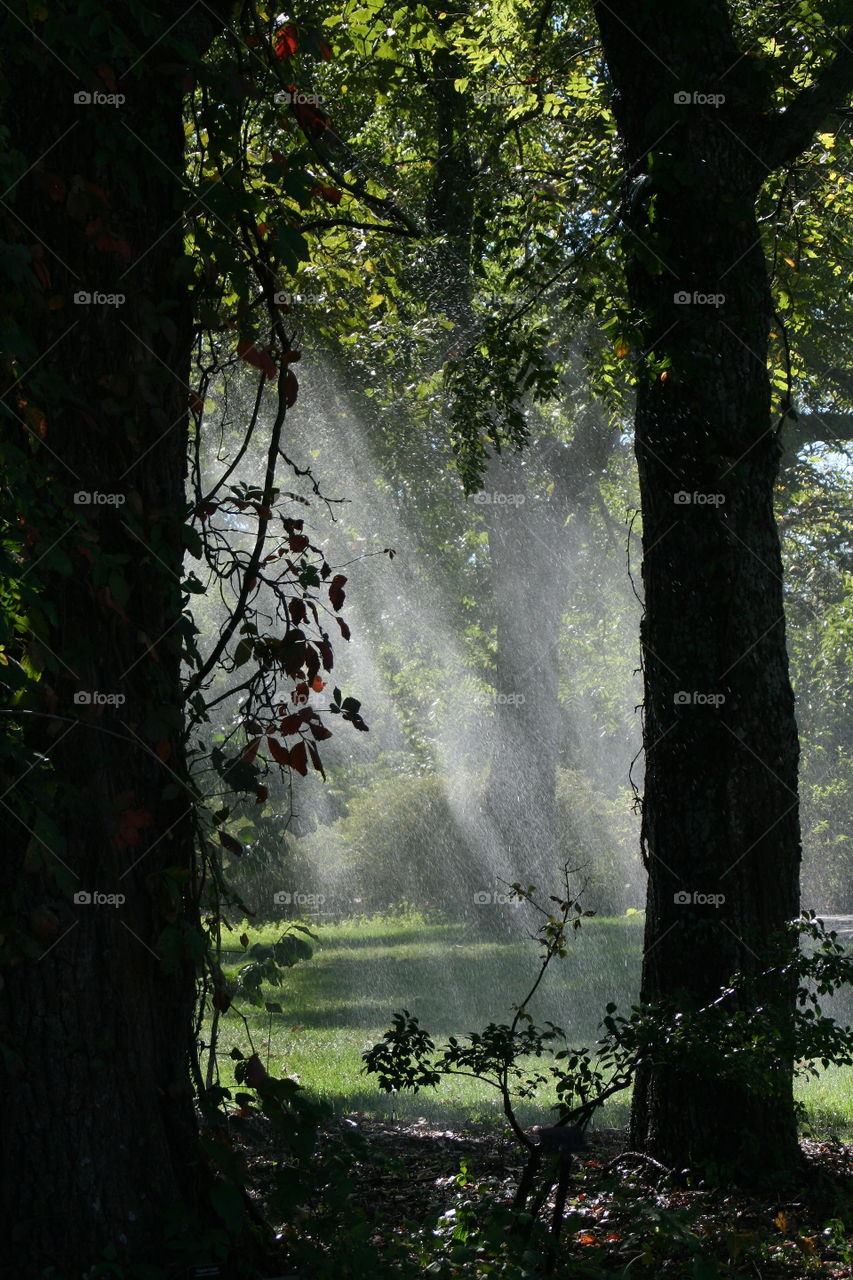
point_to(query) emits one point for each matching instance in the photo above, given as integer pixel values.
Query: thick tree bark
(720, 817)
(99, 1144)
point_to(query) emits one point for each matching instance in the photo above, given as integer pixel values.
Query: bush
(604, 834)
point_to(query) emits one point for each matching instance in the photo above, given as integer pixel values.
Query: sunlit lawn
(362, 972)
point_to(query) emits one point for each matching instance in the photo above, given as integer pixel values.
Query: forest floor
(621, 1211)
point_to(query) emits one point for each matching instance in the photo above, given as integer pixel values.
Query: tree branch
(325, 224)
(790, 132)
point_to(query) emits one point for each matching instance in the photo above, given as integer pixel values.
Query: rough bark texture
(720, 815)
(99, 1135)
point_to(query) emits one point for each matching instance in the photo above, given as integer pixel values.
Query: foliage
(741, 1036)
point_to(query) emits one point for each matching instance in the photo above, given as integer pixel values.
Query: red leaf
(42, 271)
(247, 351)
(320, 731)
(111, 244)
(163, 750)
(251, 751)
(290, 724)
(324, 49)
(280, 754)
(244, 939)
(108, 76)
(286, 42)
(299, 758)
(291, 389)
(337, 595)
(318, 685)
(54, 187)
(313, 120)
(345, 631)
(315, 759)
(130, 823)
(329, 194)
(261, 794)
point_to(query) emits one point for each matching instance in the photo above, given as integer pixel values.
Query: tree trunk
(100, 1143)
(720, 818)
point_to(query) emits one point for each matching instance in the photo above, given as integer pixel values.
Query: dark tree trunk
(720, 816)
(100, 1143)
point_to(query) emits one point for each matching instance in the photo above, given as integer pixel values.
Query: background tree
(720, 803)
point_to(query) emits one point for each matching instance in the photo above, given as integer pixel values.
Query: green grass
(341, 1001)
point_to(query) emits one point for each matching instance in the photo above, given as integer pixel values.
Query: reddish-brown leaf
(337, 595)
(299, 758)
(247, 351)
(286, 42)
(280, 754)
(330, 194)
(315, 759)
